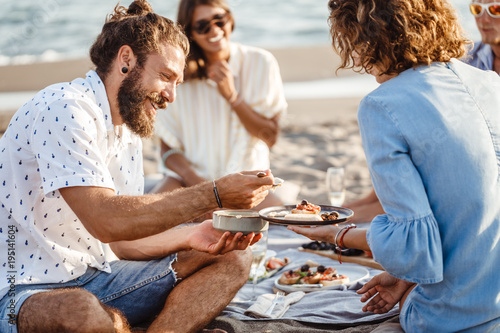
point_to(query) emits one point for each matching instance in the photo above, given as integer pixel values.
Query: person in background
(71, 184)
(485, 55)
(366, 208)
(430, 133)
(226, 116)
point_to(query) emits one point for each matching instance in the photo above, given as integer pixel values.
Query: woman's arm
(368, 199)
(352, 238)
(365, 209)
(257, 125)
(178, 163)
(409, 227)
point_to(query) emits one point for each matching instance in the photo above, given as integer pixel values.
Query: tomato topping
(309, 207)
(274, 263)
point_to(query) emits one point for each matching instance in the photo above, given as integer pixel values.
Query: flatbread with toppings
(306, 208)
(307, 274)
(306, 211)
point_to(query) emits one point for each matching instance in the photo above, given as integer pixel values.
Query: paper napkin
(258, 309)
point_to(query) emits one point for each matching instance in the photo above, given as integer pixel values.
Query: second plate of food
(354, 274)
(277, 215)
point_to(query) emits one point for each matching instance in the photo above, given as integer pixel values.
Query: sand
(316, 132)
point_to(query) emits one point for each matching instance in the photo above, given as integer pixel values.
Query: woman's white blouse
(201, 123)
(63, 137)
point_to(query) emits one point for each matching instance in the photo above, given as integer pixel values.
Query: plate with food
(271, 266)
(306, 213)
(313, 277)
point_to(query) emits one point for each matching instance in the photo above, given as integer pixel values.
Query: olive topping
(304, 202)
(324, 246)
(290, 272)
(321, 269)
(304, 268)
(331, 216)
(314, 246)
(310, 274)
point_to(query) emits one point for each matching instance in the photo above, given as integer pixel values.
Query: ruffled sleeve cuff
(408, 249)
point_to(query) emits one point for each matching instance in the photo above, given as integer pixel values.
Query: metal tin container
(234, 220)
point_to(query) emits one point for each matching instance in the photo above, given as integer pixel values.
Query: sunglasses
(493, 9)
(202, 27)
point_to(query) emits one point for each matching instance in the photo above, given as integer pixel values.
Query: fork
(278, 299)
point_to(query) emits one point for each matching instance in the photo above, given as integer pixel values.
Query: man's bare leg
(69, 310)
(204, 291)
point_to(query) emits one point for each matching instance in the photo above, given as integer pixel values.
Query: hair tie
(170, 152)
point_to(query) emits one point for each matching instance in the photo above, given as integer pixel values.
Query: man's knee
(239, 262)
(64, 310)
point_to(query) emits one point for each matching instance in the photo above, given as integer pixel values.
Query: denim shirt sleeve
(405, 240)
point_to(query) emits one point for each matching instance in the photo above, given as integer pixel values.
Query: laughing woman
(225, 117)
(431, 135)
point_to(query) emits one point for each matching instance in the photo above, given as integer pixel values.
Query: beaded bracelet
(170, 152)
(339, 245)
(217, 195)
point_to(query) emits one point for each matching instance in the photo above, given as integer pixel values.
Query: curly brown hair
(138, 27)
(196, 60)
(395, 35)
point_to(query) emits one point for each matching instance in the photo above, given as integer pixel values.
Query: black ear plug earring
(124, 70)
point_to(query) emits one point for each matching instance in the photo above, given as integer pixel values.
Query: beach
(320, 129)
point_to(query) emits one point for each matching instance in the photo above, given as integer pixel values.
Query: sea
(51, 30)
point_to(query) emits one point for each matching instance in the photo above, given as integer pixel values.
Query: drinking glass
(335, 185)
(259, 250)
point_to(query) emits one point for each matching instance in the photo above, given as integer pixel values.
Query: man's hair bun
(136, 8)
(139, 8)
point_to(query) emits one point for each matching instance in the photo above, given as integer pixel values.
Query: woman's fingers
(369, 285)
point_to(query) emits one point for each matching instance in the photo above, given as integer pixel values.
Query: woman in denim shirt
(431, 135)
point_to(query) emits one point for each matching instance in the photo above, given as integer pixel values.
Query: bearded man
(71, 182)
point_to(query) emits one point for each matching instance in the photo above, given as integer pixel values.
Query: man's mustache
(158, 100)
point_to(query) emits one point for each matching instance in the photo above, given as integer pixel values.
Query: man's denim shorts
(138, 289)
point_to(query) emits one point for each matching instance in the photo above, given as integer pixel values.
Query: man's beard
(132, 99)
